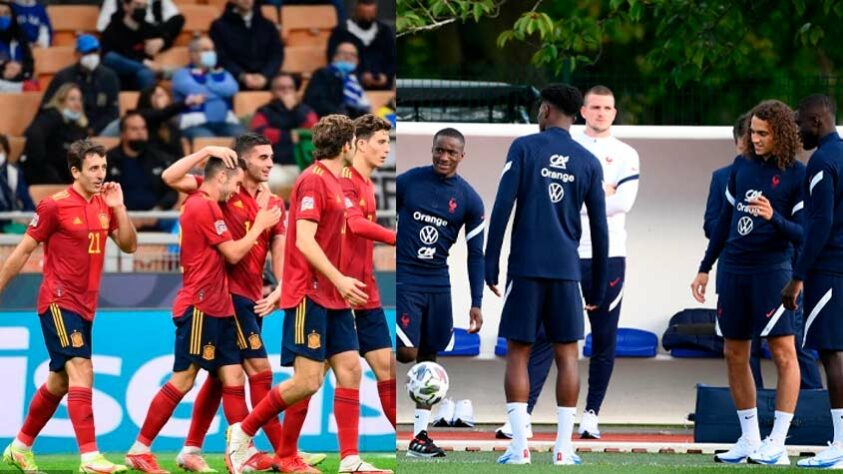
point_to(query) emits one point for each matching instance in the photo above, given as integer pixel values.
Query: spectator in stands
(375, 41)
(61, 122)
(280, 116)
(248, 45)
(137, 165)
(14, 193)
(130, 44)
(15, 55)
(99, 84)
(34, 21)
(203, 76)
(334, 89)
(163, 14)
(160, 112)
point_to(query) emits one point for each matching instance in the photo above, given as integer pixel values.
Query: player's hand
(351, 290)
(262, 196)
(12, 70)
(265, 306)
(476, 320)
(790, 294)
(591, 307)
(698, 287)
(227, 155)
(761, 207)
(609, 189)
(267, 218)
(153, 46)
(494, 289)
(112, 194)
(195, 99)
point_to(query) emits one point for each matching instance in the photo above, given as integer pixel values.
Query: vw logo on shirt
(429, 235)
(744, 225)
(556, 191)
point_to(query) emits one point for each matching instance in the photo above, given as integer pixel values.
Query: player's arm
(626, 190)
(123, 233)
(264, 306)
(474, 227)
(717, 241)
(16, 260)
(235, 250)
(348, 287)
(357, 222)
(177, 175)
(595, 203)
(713, 205)
(819, 216)
(504, 202)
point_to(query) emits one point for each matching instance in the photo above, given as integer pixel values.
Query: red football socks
(259, 386)
(41, 409)
(204, 409)
(269, 407)
(347, 412)
(81, 411)
(234, 403)
(293, 420)
(160, 410)
(386, 390)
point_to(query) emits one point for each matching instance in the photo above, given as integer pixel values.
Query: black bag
(693, 329)
(715, 420)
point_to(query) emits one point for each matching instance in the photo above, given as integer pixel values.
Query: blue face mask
(208, 59)
(5, 22)
(345, 67)
(71, 115)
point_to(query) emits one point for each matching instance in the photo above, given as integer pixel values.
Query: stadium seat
(219, 4)
(179, 3)
(246, 103)
(128, 100)
(39, 191)
(202, 142)
(18, 111)
(270, 12)
(379, 98)
(307, 25)
(175, 57)
(682, 353)
(70, 20)
(107, 142)
(630, 343)
(303, 59)
(462, 344)
(500, 347)
(16, 145)
(49, 61)
(198, 19)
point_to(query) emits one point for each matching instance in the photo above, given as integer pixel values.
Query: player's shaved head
(816, 118)
(450, 132)
(818, 104)
(567, 99)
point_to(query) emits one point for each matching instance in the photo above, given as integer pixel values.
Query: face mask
(345, 67)
(364, 24)
(5, 22)
(139, 15)
(2, 159)
(71, 115)
(208, 59)
(90, 61)
(137, 145)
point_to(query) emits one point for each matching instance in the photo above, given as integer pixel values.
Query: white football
(427, 383)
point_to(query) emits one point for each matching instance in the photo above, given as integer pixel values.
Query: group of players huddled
(321, 254)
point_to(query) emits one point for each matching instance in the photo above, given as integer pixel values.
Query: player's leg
(204, 410)
(755, 355)
(809, 370)
(376, 348)
(538, 368)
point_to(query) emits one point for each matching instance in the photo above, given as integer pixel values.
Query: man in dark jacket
(335, 89)
(137, 166)
(248, 45)
(374, 40)
(282, 115)
(99, 84)
(130, 44)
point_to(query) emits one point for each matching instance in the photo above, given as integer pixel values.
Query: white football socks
(749, 424)
(421, 420)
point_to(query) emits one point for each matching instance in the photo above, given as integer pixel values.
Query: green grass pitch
(617, 463)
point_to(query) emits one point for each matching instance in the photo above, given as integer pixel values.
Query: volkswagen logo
(557, 192)
(744, 225)
(429, 235)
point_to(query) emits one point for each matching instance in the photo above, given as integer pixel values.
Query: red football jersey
(246, 277)
(73, 232)
(358, 254)
(317, 196)
(204, 283)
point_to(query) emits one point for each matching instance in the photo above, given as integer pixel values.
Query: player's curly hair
(330, 134)
(786, 141)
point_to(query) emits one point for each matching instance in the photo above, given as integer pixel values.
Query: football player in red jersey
(207, 333)
(73, 225)
(317, 298)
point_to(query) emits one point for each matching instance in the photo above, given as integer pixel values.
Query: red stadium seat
(303, 59)
(16, 145)
(246, 103)
(18, 111)
(49, 61)
(202, 142)
(128, 100)
(70, 20)
(198, 19)
(379, 98)
(307, 25)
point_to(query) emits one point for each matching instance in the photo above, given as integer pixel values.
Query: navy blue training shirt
(716, 199)
(550, 176)
(431, 211)
(822, 250)
(750, 244)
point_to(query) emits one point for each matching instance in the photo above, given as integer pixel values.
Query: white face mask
(2, 159)
(90, 61)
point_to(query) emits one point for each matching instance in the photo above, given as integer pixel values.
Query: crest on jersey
(77, 221)
(34, 221)
(76, 339)
(559, 161)
(307, 203)
(405, 320)
(452, 205)
(238, 204)
(220, 227)
(255, 342)
(776, 180)
(314, 341)
(556, 191)
(103, 220)
(208, 352)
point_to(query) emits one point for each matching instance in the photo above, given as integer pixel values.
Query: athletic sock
(516, 412)
(204, 410)
(234, 403)
(386, 392)
(749, 425)
(837, 421)
(81, 411)
(420, 421)
(291, 428)
(565, 428)
(160, 411)
(259, 386)
(269, 407)
(781, 424)
(347, 412)
(41, 409)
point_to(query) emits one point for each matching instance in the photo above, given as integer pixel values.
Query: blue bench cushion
(462, 344)
(630, 343)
